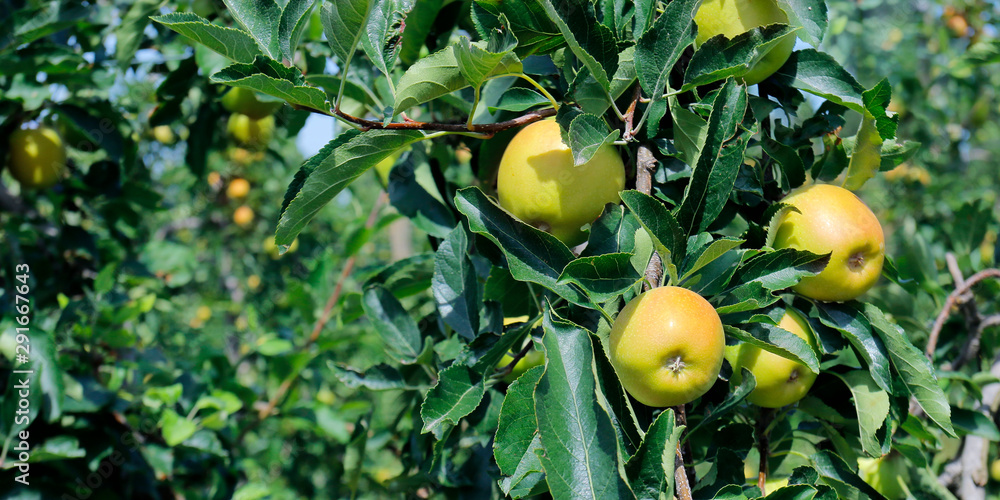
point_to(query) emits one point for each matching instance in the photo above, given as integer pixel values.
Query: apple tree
(484, 362)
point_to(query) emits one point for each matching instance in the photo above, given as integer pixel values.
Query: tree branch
(645, 165)
(950, 303)
(483, 128)
(681, 483)
(321, 322)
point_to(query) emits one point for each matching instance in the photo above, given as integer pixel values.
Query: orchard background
(178, 353)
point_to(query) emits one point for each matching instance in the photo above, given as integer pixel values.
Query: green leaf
(581, 453)
(229, 42)
(707, 254)
(419, 24)
(380, 377)
(532, 255)
(833, 469)
(343, 24)
(270, 77)
(729, 130)
(668, 237)
(396, 327)
(659, 48)
(651, 470)
(892, 154)
(457, 393)
(914, 369)
(590, 41)
(793, 169)
(518, 99)
(747, 383)
(613, 232)
(516, 436)
(811, 15)
(850, 322)
(780, 269)
(975, 423)
(820, 74)
(455, 284)
(865, 160)
(587, 134)
(294, 19)
(352, 89)
(777, 340)
(872, 404)
(876, 100)
(176, 429)
(481, 61)
(720, 57)
(602, 277)
(535, 32)
(690, 132)
(333, 168)
(429, 78)
(261, 19)
(383, 33)
(129, 33)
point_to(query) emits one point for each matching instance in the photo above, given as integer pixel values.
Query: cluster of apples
(668, 345)
(252, 120)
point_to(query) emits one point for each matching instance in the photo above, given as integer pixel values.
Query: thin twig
(630, 113)
(763, 447)
(645, 165)
(320, 322)
(950, 303)
(484, 128)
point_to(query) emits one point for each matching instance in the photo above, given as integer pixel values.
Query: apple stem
(763, 446)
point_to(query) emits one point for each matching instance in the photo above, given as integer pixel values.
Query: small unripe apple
(995, 470)
(538, 183)
(164, 134)
(831, 219)
(667, 346)
(245, 102)
(780, 381)
(37, 157)
(243, 216)
(238, 188)
(734, 17)
(250, 132)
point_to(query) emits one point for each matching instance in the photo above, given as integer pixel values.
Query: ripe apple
(734, 17)
(833, 219)
(250, 132)
(238, 188)
(164, 134)
(37, 157)
(538, 183)
(667, 346)
(780, 381)
(243, 216)
(886, 474)
(244, 101)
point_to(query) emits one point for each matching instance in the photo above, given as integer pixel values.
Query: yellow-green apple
(780, 381)
(734, 17)
(831, 219)
(245, 102)
(887, 474)
(667, 346)
(250, 132)
(37, 157)
(538, 183)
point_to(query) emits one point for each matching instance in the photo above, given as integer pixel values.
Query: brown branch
(645, 165)
(481, 128)
(681, 482)
(630, 113)
(506, 370)
(950, 303)
(320, 322)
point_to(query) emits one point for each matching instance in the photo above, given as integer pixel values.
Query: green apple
(538, 183)
(734, 17)
(780, 381)
(249, 132)
(886, 474)
(995, 470)
(831, 219)
(37, 157)
(244, 101)
(667, 346)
